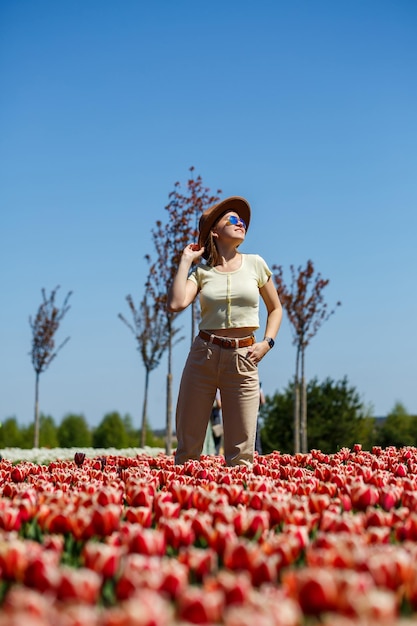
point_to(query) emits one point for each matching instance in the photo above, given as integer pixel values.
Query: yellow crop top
(231, 300)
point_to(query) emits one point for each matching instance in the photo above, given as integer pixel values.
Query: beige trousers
(210, 367)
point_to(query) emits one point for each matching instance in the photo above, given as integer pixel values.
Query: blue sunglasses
(235, 221)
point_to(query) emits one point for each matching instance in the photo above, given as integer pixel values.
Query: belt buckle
(228, 342)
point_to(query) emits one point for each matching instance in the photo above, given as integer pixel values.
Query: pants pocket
(245, 365)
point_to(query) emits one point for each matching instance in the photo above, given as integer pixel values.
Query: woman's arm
(183, 291)
(273, 306)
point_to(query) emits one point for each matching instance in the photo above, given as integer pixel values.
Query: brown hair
(211, 253)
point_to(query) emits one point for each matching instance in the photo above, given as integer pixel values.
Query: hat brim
(211, 215)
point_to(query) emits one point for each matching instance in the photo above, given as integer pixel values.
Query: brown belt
(227, 342)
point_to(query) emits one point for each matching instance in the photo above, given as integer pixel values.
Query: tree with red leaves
(44, 327)
(150, 330)
(170, 239)
(304, 304)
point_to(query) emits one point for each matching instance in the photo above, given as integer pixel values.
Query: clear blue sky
(308, 109)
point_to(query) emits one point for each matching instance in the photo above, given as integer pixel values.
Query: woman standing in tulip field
(225, 354)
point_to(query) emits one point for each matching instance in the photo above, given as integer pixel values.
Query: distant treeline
(337, 418)
(114, 431)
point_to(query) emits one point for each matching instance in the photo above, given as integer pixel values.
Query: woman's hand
(192, 252)
(257, 351)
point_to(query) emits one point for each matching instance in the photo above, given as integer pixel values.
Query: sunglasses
(233, 220)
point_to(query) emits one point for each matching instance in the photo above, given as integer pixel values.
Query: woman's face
(231, 225)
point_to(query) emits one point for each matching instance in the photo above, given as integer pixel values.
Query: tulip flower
(81, 585)
(79, 458)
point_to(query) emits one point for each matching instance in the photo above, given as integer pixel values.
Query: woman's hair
(211, 253)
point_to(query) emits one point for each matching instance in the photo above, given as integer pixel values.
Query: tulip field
(296, 540)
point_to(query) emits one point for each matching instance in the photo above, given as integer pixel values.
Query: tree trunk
(168, 443)
(297, 404)
(169, 414)
(303, 408)
(144, 411)
(36, 428)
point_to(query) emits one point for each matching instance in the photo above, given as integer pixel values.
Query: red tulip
(82, 585)
(54, 543)
(101, 558)
(315, 589)
(401, 470)
(200, 562)
(139, 515)
(178, 532)
(183, 494)
(15, 556)
(56, 522)
(363, 495)
(42, 573)
(375, 606)
(108, 495)
(390, 566)
(198, 607)
(79, 458)
(139, 494)
(174, 578)
(144, 608)
(236, 586)
(221, 536)
(147, 541)
(26, 607)
(241, 555)
(167, 509)
(270, 608)
(10, 518)
(106, 519)
(18, 473)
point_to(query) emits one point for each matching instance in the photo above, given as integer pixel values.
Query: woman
(225, 354)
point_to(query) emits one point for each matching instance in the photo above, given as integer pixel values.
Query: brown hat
(212, 214)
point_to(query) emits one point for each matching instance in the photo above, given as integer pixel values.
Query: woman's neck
(228, 260)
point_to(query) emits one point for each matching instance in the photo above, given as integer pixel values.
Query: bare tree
(169, 241)
(150, 330)
(306, 309)
(44, 326)
(191, 205)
